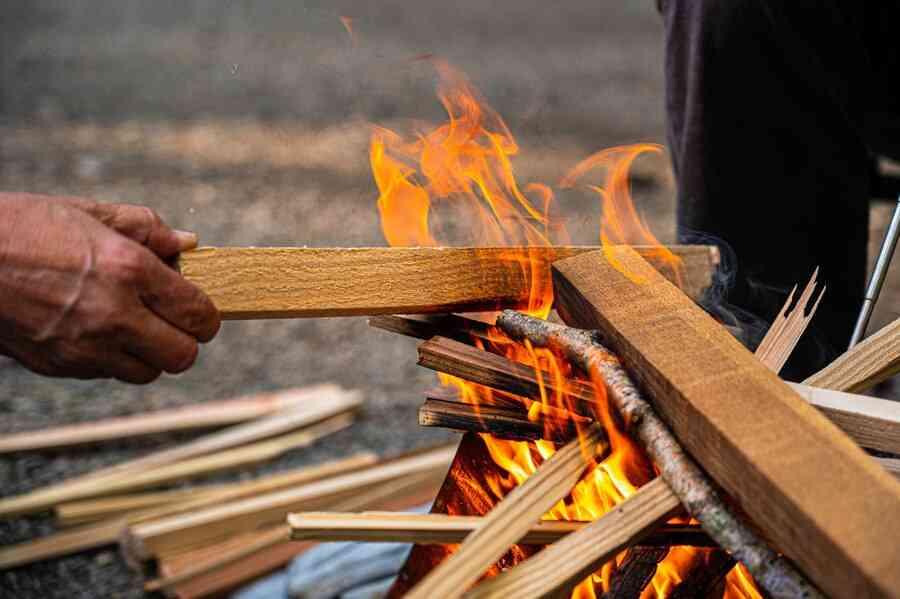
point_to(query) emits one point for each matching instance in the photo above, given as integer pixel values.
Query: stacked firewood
(207, 539)
(791, 480)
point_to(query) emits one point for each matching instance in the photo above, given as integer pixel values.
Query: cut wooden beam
(322, 402)
(512, 518)
(871, 422)
(196, 498)
(837, 523)
(201, 527)
(875, 359)
(247, 283)
(440, 529)
(211, 414)
(564, 564)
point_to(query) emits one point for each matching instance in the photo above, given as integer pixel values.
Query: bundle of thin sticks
(207, 538)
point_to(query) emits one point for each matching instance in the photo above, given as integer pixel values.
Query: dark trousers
(774, 111)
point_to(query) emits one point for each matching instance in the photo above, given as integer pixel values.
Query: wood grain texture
(249, 283)
(201, 527)
(563, 565)
(202, 415)
(871, 422)
(875, 359)
(498, 421)
(511, 519)
(439, 529)
(816, 494)
(318, 403)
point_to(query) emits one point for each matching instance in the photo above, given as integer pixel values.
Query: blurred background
(248, 122)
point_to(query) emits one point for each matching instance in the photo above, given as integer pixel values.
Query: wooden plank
(441, 529)
(511, 519)
(210, 414)
(179, 532)
(875, 359)
(322, 402)
(103, 508)
(871, 422)
(248, 283)
(564, 564)
(750, 431)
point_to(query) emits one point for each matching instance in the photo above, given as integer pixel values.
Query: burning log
(687, 481)
(321, 402)
(211, 414)
(564, 564)
(511, 519)
(441, 529)
(838, 538)
(871, 422)
(249, 283)
(863, 366)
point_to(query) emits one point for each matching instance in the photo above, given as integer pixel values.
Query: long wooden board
(821, 500)
(248, 283)
(875, 359)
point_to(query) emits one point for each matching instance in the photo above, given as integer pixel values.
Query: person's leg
(768, 151)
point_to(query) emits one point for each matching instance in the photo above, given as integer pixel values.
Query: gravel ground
(247, 123)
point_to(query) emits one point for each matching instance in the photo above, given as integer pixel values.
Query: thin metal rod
(878, 275)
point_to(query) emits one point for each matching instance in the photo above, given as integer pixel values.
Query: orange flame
(465, 166)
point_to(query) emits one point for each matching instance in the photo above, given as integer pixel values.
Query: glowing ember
(464, 166)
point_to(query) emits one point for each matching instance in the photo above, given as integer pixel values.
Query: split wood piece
(785, 331)
(488, 369)
(248, 283)
(501, 422)
(108, 531)
(230, 459)
(566, 563)
(870, 422)
(441, 529)
(211, 414)
(892, 465)
(58, 544)
(871, 361)
(103, 508)
(323, 402)
(180, 532)
(831, 522)
(512, 518)
(202, 569)
(192, 499)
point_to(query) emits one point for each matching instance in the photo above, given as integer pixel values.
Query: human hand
(84, 291)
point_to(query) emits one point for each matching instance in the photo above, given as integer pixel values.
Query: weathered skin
(85, 291)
